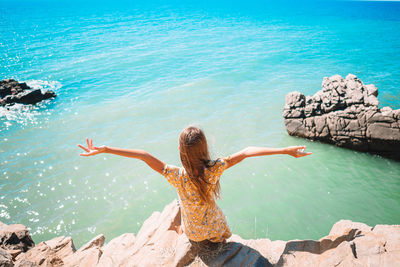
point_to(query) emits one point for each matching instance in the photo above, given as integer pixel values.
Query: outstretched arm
(150, 160)
(295, 151)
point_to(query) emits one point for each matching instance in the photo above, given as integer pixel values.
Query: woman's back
(201, 219)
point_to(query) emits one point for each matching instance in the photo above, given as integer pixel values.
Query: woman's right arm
(295, 151)
(149, 159)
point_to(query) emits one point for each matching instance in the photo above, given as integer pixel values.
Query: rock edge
(158, 244)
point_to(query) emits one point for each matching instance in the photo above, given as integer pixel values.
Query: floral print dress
(201, 221)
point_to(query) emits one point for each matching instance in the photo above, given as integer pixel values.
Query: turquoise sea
(134, 75)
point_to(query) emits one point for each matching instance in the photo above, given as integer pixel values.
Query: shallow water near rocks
(133, 76)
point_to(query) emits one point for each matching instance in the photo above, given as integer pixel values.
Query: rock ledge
(158, 244)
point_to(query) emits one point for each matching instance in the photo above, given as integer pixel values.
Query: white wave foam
(44, 85)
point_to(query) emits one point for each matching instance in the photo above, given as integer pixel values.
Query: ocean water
(134, 75)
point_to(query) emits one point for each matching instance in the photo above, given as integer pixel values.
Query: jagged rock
(345, 112)
(97, 241)
(15, 238)
(12, 92)
(5, 259)
(87, 258)
(88, 255)
(158, 244)
(349, 244)
(115, 249)
(49, 253)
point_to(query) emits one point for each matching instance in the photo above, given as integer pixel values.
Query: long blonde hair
(195, 159)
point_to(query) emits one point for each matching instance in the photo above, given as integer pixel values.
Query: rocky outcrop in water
(12, 92)
(158, 244)
(345, 113)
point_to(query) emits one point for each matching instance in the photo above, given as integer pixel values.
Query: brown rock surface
(115, 249)
(15, 238)
(345, 113)
(48, 253)
(158, 244)
(5, 258)
(88, 255)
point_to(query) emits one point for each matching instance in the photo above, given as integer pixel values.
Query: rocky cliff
(158, 244)
(345, 112)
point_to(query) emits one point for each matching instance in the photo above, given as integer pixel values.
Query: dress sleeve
(172, 174)
(218, 168)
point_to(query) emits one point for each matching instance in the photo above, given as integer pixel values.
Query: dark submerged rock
(12, 92)
(345, 113)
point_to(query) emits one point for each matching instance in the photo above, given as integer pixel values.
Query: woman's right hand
(92, 150)
(297, 151)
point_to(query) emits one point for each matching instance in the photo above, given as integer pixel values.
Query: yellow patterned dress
(201, 220)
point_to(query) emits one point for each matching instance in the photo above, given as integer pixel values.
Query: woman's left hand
(297, 151)
(91, 150)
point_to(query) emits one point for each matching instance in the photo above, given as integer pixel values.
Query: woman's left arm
(149, 159)
(251, 151)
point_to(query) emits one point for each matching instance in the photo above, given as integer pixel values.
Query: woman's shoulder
(218, 164)
(172, 170)
(173, 174)
(222, 161)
